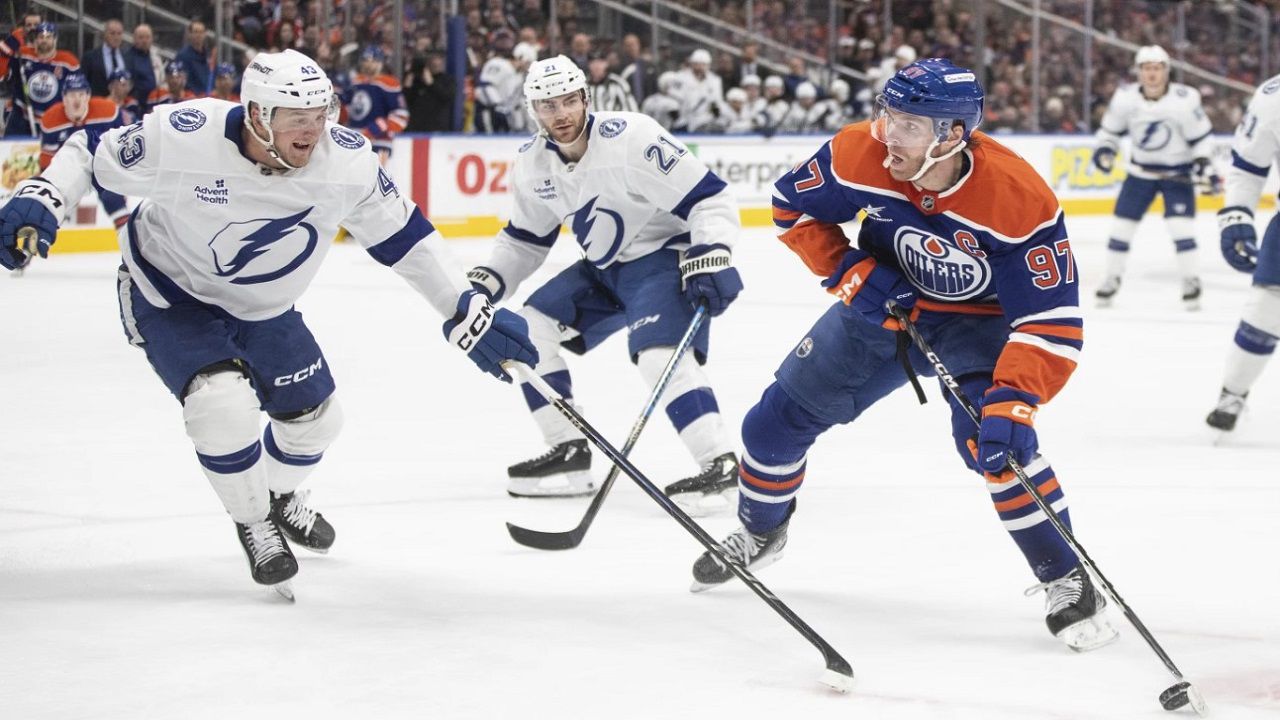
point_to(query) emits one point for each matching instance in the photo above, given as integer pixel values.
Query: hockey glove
(706, 275)
(1239, 237)
(490, 335)
(488, 282)
(1104, 158)
(863, 284)
(1006, 430)
(1205, 176)
(35, 204)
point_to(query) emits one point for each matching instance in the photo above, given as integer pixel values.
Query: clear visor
(288, 120)
(904, 130)
(551, 107)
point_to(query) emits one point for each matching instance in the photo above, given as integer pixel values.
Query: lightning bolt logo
(584, 221)
(247, 241)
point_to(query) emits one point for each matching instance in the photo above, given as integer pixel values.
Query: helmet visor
(904, 130)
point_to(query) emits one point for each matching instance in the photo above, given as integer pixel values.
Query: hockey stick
(1175, 696)
(572, 538)
(838, 675)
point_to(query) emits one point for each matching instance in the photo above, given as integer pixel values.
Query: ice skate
(710, 491)
(270, 560)
(1225, 415)
(754, 551)
(1191, 293)
(1075, 611)
(1107, 291)
(562, 471)
(300, 523)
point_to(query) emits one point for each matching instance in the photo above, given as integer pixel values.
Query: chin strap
(929, 159)
(268, 143)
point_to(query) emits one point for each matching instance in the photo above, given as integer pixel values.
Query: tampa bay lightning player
(655, 227)
(239, 203)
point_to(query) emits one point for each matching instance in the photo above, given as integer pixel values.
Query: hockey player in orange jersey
(963, 232)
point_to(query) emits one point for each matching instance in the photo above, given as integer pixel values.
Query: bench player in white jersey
(238, 205)
(655, 227)
(1253, 151)
(1169, 154)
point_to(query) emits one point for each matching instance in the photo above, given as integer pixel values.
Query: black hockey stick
(1175, 696)
(572, 538)
(838, 675)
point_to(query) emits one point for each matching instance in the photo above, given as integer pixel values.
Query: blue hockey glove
(1104, 158)
(490, 335)
(707, 275)
(1239, 237)
(35, 204)
(866, 286)
(1006, 429)
(1205, 176)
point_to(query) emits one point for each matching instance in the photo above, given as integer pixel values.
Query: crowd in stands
(687, 88)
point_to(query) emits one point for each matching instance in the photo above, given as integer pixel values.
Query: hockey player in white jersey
(238, 206)
(808, 114)
(499, 96)
(1169, 154)
(1253, 151)
(655, 227)
(664, 105)
(701, 93)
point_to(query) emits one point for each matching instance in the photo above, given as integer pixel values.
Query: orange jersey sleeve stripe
(786, 215)
(1032, 370)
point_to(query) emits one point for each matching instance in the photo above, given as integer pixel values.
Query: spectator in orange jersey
(78, 112)
(175, 86)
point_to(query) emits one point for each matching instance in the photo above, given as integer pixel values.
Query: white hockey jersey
(1165, 135)
(663, 108)
(637, 190)
(501, 87)
(1255, 146)
(697, 98)
(823, 116)
(216, 227)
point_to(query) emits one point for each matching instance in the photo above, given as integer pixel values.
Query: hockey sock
(777, 434)
(295, 445)
(1046, 552)
(1122, 231)
(546, 335)
(221, 413)
(692, 406)
(1255, 340)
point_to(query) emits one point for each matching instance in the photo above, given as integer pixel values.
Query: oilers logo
(599, 231)
(939, 267)
(42, 86)
(262, 250)
(361, 105)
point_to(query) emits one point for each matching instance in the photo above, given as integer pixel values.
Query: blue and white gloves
(1104, 158)
(707, 275)
(35, 204)
(866, 286)
(489, 335)
(1007, 429)
(1205, 176)
(1239, 237)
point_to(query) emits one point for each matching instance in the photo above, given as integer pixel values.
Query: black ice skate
(710, 490)
(270, 560)
(1230, 405)
(300, 523)
(1191, 293)
(754, 551)
(1074, 611)
(1107, 291)
(562, 471)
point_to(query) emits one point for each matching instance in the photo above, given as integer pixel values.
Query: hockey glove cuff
(707, 275)
(1007, 429)
(1239, 237)
(1104, 158)
(37, 204)
(488, 282)
(1205, 176)
(866, 286)
(490, 336)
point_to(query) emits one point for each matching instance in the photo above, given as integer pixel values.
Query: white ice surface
(123, 593)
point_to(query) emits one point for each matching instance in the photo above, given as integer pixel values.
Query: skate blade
(1103, 302)
(284, 590)
(697, 586)
(568, 485)
(17, 273)
(1089, 634)
(1191, 305)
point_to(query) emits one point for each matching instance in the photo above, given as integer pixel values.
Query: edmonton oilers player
(1253, 151)
(238, 204)
(965, 232)
(1169, 147)
(655, 227)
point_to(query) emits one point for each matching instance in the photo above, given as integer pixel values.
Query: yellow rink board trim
(104, 239)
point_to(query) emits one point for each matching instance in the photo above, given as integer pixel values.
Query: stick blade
(1181, 695)
(540, 540)
(837, 681)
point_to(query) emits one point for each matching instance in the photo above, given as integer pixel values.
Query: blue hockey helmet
(175, 67)
(75, 82)
(224, 70)
(938, 89)
(120, 74)
(43, 28)
(373, 52)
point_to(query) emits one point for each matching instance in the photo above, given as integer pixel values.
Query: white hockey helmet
(286, 79)
(700, 57)
(806, 91)
(1150, 54)
(736, 95)
(840, 89)
(526, 52)
(668, 81)
(551, 78)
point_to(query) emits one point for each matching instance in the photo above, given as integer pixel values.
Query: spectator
(429, 92)
(701, 93)
(195, 59)
(637, 71)
(119, 87)
(104, 60)
(224, 83)
(288, 16)
(747, 65)
(796, 74)
(664, 105)
(142, 62)
(608, 92)
(580, 51)
(175, 86)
